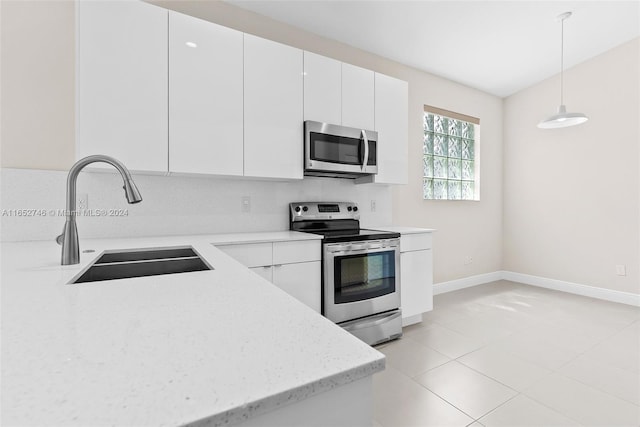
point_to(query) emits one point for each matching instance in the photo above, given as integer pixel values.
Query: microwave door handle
(366, 149)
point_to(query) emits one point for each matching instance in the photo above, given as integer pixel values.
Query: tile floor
(506, 354)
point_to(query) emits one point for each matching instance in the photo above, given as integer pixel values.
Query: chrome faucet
(69, 237)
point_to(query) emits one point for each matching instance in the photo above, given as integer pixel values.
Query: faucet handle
(60, 238)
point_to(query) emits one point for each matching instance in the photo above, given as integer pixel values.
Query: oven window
(364, 276)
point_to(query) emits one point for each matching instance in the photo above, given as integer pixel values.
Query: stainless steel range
(360, 269)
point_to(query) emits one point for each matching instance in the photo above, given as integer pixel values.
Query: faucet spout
(69, 237)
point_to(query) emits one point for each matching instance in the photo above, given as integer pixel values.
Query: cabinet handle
(277, 265)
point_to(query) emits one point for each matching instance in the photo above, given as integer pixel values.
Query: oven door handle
(348, 251)
(364, 247)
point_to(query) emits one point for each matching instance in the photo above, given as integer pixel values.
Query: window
(450, 156)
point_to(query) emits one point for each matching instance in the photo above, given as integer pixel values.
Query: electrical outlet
(82, 201)
(246, 204)
(373, 206)
(621, 270)
(468, 260)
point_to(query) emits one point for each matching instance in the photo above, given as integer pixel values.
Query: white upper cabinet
(166, 92)
(322, 89)
(122, 83)
(205, 97)
(357, 97)
(273, 103)
(392, 115)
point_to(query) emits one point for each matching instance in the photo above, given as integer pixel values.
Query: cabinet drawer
(249, 254)
(415, 242)
(296, 251)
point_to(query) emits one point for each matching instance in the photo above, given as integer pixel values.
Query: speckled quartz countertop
(217, 346)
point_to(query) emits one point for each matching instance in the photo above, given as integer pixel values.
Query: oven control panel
(305, 211)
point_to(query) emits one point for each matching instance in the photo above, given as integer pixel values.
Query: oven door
(361, 278)
(339, 149)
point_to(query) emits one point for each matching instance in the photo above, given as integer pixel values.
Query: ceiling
(499, 47)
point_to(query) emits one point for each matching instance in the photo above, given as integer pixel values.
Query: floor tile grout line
(430, 348)
(596, 388)
(496, 408)
(500, 382)
(446, 401)
(434, 393)
(552, 408)
(442, 397)
(487, 376)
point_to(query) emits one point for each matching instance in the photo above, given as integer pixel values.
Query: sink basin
(142, 262)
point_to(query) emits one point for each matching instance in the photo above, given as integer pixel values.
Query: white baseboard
(466, 282)
(574, 288)
(543, 282)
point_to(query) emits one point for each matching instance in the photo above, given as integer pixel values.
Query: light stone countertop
(215, 347)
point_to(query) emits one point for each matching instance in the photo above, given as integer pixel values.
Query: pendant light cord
(562, 62)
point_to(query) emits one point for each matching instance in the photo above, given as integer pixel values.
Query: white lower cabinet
(300, 280)
(293, 266)
(416, 275)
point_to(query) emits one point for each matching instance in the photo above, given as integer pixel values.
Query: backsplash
(32, 202)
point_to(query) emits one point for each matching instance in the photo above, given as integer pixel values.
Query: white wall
(571, 196)
(465, 228)
(37, 44)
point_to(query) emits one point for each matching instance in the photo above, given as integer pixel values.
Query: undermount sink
(142, 262)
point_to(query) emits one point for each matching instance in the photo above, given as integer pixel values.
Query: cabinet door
(322, 89)
(273, 128)
(357, 97)
(416, 282)
(391, 123)
(301, 281)
(122, 83)
(205, 97)
(265, 272)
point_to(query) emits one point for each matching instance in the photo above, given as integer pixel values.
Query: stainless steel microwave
(339, 151)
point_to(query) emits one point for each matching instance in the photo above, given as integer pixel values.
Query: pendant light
(562, 119)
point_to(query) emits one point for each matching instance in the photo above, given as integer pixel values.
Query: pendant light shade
(562, 119)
